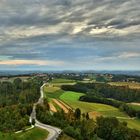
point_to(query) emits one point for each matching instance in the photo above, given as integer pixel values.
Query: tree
(33, 121)
(77, 113)
(105, 127)
(46, 104)
(87, 116)
(18, 83)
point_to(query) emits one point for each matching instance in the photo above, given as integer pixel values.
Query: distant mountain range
(8, 72)
(133, 73)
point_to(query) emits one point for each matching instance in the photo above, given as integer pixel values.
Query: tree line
(120, 77)
(121, 105)
(121, 93)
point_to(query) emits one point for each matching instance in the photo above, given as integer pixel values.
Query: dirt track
(61, 105)
(135, 104)
(52, 107)
(67, 106)
(94, 115)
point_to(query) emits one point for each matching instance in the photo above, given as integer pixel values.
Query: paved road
(53, 131)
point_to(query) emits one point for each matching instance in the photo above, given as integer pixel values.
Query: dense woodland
(14, 118)
(16, 100)
(19, 91)
(120, 77)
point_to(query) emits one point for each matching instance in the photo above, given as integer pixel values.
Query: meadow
(72, 98)
(52, 91)
(33, 134)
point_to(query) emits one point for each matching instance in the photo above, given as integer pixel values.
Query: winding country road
(54, 132)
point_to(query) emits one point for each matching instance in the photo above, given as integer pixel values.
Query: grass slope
(34, 134)
(52, 92)
(72, 98)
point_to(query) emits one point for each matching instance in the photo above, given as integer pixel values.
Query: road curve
(54, 132)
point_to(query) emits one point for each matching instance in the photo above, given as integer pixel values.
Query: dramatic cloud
(72, 34)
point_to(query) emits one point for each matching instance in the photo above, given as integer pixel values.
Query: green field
(72, 98)
(52, 92)
(34, 134)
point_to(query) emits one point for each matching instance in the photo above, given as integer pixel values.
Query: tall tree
(77, 113)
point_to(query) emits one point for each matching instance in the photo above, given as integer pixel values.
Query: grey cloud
(126, 24)
(100, 13)
(67, 16)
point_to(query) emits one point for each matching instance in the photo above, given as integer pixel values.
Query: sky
(69, 34)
